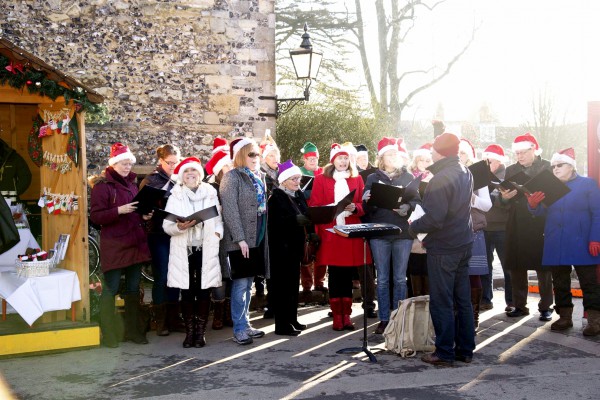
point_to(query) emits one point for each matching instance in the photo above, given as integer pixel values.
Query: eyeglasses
(170, 163)
(296, 179)
(253, 154)
(558, 165)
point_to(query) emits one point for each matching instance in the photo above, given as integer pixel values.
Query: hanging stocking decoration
(73, 143)
(35, 142)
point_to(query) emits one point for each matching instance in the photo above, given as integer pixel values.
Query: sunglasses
(253, 154)
(558, 165)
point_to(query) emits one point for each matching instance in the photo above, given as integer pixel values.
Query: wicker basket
(31, 269)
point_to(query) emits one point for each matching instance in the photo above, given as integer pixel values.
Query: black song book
(326, 214)
(148, 199)
(198, 216)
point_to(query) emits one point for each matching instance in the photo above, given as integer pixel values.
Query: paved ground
(515, 359)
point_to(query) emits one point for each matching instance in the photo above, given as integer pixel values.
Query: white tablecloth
(7, 259)
(31, 297)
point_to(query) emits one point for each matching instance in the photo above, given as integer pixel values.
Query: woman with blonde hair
(244, 197)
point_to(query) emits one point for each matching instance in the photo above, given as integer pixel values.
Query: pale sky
(521, 48)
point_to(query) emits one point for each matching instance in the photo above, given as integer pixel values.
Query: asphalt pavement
(515, 359)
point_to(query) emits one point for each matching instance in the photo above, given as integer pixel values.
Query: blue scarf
(259, 187)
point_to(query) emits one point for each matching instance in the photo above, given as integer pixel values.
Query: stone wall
(172, 71)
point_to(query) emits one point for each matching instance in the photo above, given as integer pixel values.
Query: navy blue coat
(376, 214)
(571, 224)
(447, 206)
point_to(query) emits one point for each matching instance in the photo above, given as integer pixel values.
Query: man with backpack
(447, 223)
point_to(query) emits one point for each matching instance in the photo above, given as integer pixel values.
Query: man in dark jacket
(447, 223)
(525, 233)
(495, 230)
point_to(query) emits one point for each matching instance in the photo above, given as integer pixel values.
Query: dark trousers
(112, 280)
(195, 292)
(588, 281)
(450, 304)
(520, 288)
(495, 240)
(369, 286)
(283, 292)
(159, 244)
(340, 281)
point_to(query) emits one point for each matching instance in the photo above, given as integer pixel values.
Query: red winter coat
(123, 240)
(337, 250)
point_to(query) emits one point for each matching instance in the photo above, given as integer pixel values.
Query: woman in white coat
(194, 252)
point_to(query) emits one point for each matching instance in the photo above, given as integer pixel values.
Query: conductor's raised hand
(127, 208)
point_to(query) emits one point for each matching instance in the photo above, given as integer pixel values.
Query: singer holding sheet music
(342, 255)
(244, 197)
(572, 239)
(394, 248)
(123, 245)
(194, 264)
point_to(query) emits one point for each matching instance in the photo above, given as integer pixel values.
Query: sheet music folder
(385, 196)
(198, 216)
(545, 181)
(148, 199)
(481, 174)
(326, 214)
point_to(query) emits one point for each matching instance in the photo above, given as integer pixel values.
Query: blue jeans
(112, 280)
(240, 303)
(450, 291)
(398, 251)
(495, 240)
(159, 244)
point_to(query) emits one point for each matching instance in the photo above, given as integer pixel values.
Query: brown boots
(195, 316)
(160, 314)
(565, 321)
(593, 326)
(218, 314)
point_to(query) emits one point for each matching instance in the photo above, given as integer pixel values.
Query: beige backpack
(410, 328)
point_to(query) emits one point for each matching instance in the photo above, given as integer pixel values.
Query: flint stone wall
(172, 71)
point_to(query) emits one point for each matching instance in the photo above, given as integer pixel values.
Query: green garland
(30, 78)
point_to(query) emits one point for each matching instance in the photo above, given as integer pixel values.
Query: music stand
(365, 343)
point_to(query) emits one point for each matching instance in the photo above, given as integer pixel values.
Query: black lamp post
(306, 63)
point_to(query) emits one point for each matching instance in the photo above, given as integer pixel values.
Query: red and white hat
(190, 162)
(385, 144)
(494, 152)
(217, 162)
(402, 149)
(220, 144)
(423, 151)
(335, 151)
(238, 143)
(564, 156)
(120, 152)
(526, 142)
(267, 148)
(466, 146)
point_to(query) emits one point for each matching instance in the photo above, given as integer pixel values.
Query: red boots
(341, 307)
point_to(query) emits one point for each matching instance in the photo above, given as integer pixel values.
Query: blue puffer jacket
(447, 206)
(572, 223)
(375, 214)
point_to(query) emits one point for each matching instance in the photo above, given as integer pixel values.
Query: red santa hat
(267, 148)
(494, 152)
(190, 162)
(217, 162)
(526, 142)
(446, 144)
(466, 146)
(566, 156)
(237, 144)
(385, 144)
(220, 144)
(335, 151)
(423, 151)
(120, 152)
(402, 149)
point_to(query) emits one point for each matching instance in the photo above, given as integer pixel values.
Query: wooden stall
(34, 91)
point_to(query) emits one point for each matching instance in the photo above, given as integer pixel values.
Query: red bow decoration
(14, 67)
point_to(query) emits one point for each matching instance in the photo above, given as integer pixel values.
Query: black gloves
(303, 220)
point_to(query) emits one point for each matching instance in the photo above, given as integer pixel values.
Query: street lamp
(306, 63)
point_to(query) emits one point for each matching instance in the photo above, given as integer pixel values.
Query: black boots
(134, 331)
(111, 324)
(476, 294)
(187, 309)
(173, 318)
(202, 309)
(160, 314)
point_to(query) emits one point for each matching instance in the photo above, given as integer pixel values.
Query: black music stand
(365, 344)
